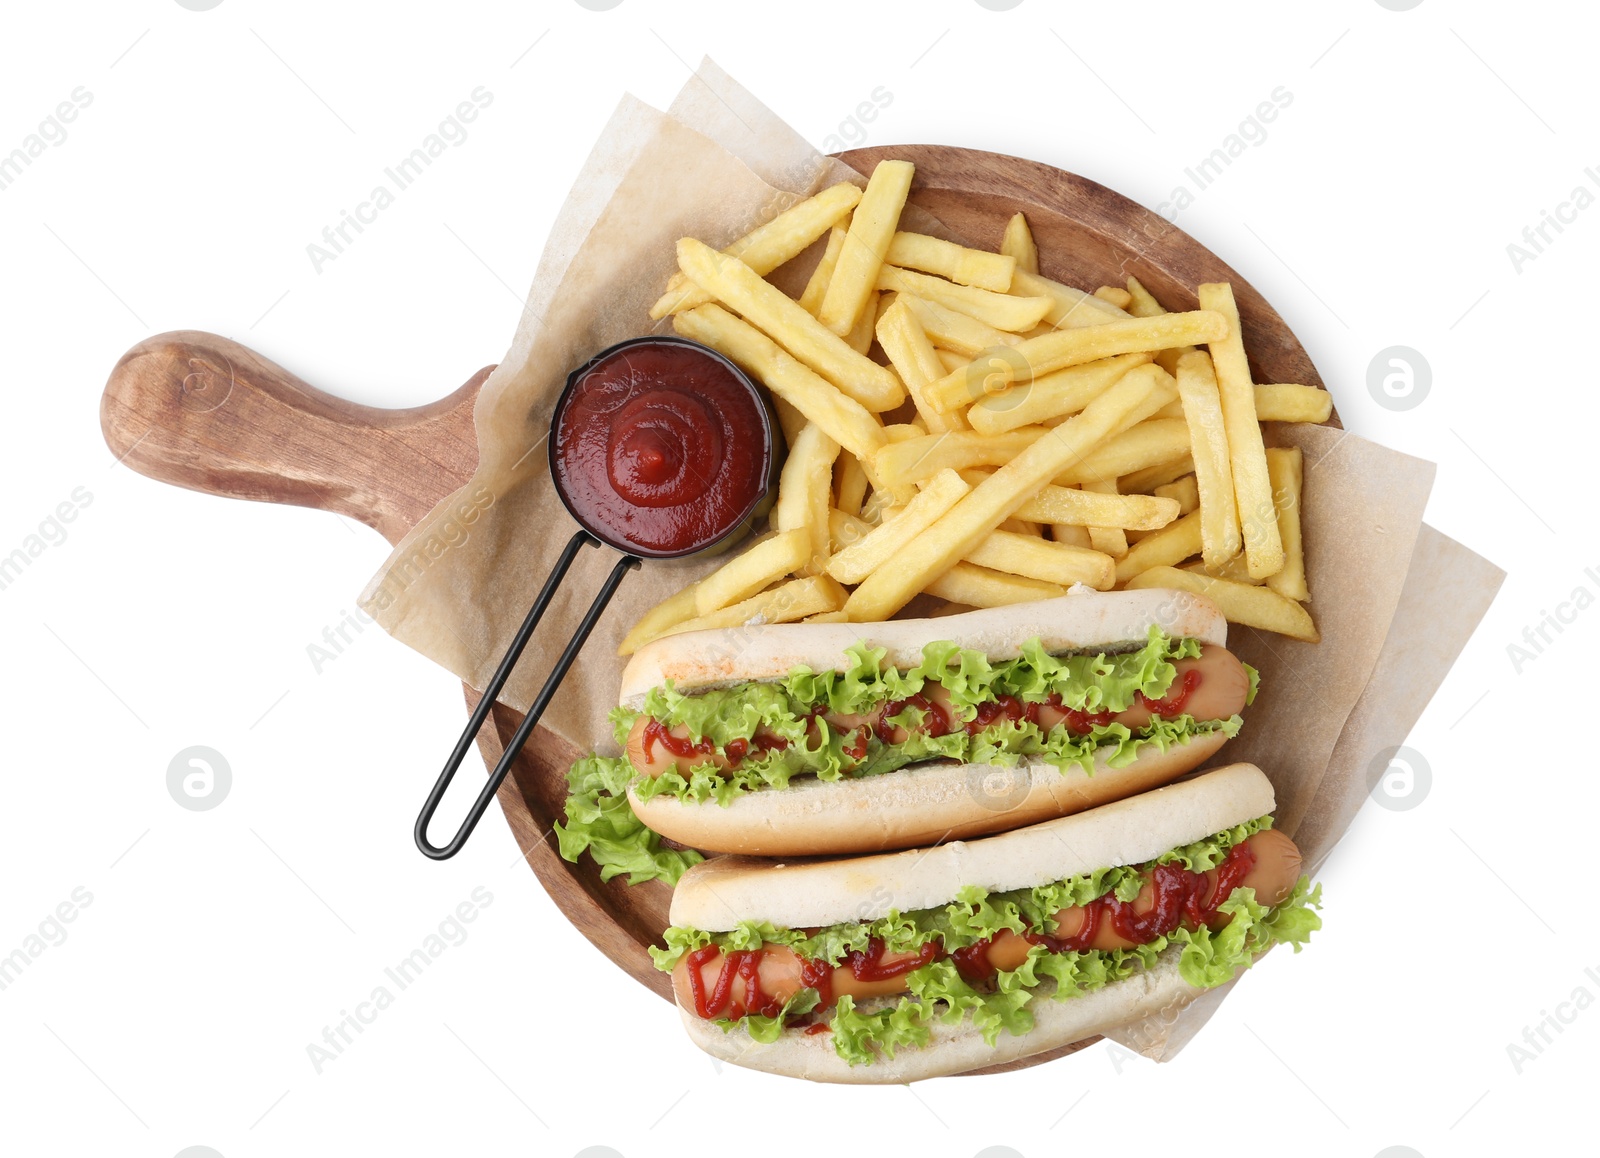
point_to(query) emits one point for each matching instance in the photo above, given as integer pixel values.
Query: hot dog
(787, 968)
(807, 739)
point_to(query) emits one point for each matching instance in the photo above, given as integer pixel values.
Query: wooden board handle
(204, 412)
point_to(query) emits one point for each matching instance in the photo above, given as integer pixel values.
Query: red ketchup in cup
(662, 448)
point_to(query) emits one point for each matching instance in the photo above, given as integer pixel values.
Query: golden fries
(974, 267)
(914, 359)
(1062, 348)
(951, 329)
(1069, 308)
(855, 563)
(797, 599)
(1036, 558)
(1018, 243)
(811, 297)
(1284, 402)
(769, 560)
(803, 492)
(916, 459)
(1054, 395)
(1258, 516)
(1202, 407)
(1002, 311)
(999, 496)
(981, 587)
(1059, 436)
(1164, 548)
(766, 248)
(1252, 606)
(738, 287)
(1285, 471)
(872, 227)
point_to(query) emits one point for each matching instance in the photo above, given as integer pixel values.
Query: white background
(178, 1009)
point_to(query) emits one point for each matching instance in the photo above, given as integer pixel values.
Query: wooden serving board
(203, 412)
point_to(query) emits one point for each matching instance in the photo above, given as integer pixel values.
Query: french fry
(796, 599)
(980, 587)
(811, 297)
(660, 619)
(1018, 243)
(1186, 491)
(752, 570)
(790, 419)
(1202, 406)
(1112, 541)
(1164, 548)
(827, 617)
(1247, 453)
(1072, 536)
(1142, 304)
(1070, 308)
(1144, 482)
(803, 492)
(949, 359)
(1284, 469)
(1233, 569)
(1022, 527)
(1258, 607)
(1072, 507)
(877, 505)
(1156, 440)
(845, 531)
(1002, 311)
(1113, 295)
(859, 338)
(916, 459)
(849, 483)
(1036, 558)
(893, 535)
(743, 291)
(953, 330)
(1286, 402)
(844, 419)
(1051, 396)
(768, 246)
(1145, 306)
(914, 359)
(1062, 348)
(872, 227)
(974, 267)
(999, 496)
(1082, 508)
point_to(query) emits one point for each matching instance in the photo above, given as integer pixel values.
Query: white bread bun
(1083, 621)
(717, 894)
(953, 1049)
(917, 805)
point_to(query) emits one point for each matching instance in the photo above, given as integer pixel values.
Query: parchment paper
(458, 586)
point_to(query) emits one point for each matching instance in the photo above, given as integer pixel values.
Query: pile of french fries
(959, 425)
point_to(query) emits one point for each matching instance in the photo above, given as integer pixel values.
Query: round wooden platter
(203, 412)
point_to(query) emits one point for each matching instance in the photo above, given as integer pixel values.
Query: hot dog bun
(1089, 620)
(921, 804)
(719, 893)
(929, 802)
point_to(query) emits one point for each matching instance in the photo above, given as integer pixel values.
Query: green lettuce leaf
(600, 820)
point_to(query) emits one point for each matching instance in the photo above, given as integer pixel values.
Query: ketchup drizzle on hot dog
(935, 719)
(868, 964)
(1172, 705)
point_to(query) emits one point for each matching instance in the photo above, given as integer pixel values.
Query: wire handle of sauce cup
(535, 710)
